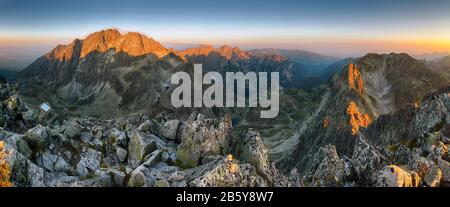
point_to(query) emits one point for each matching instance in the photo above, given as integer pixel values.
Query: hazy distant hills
(8, 74)
(17, 58)
(441, 66)
(302, 56)
(431, 56)
(314, 63)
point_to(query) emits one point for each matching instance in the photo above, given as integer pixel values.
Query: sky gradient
(341, 28)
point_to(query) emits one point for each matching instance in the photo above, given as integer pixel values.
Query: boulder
(89, 162)
(142, 144)
(433, 178)
(119, 137)
(121, 154)
(18, 142)
(169, 129)
(161, 183)
(444, 166)
(86, 137)
(421, 165)
(30, 117)
(394, 176)
(111, 177)
(23, 171)
(201, 137)
(37, 137)
(73, 129)
(221, 172)
(49, 160)
(61, 165)
(137, 179)
(431, 114)
(366, 161)
(251, 149)
(327, 168)
(149, 126)
(440, 150)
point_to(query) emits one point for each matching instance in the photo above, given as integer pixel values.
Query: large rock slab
(141, 144)
(23, 171)
(394, 176)
(202, 137)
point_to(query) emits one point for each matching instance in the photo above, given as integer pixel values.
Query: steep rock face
(376, 85)
(366, 161)
(431, 114)
(396, 81)
(132, 43)
(250, 148)
(106, 71)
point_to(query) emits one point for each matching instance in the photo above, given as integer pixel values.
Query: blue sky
(331, 27)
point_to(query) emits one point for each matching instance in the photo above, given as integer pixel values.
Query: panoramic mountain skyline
(344, 28)
(131, 94)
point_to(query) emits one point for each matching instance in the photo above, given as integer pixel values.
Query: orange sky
(327, 45)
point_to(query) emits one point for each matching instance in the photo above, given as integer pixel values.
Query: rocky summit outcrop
(201, 137)
(250, 148)
(327, 169)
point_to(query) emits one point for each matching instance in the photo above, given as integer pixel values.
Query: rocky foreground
(408, 148)
(48, 149)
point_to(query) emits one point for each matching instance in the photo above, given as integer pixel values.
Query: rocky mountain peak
(197, 51)
(100, 41)
(132, 43)
(228, 52)
(225, 51)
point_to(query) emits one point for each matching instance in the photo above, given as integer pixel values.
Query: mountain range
(376, 120)
(129, 71)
